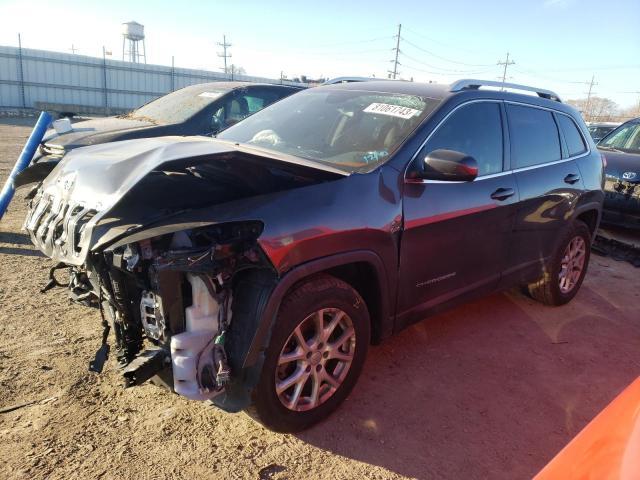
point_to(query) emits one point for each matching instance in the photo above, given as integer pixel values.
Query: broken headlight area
(168, 301)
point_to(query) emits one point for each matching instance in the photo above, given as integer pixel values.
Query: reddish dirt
(492, 389)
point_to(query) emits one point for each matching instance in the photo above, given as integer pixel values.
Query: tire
(550, 289)
(344, 309)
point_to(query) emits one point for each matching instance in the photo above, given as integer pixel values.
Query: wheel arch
(590, 214)
(362, 269)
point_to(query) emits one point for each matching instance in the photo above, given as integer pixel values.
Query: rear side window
(533, 135)
(474, 129)
(575, 142)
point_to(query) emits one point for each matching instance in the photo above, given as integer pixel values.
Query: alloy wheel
(315, 359)
(572, 264)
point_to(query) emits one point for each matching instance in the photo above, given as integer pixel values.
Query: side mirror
(447, 165)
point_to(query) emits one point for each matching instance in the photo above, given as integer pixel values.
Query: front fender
(258, 297)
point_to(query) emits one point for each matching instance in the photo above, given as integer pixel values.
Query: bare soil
(492, 389)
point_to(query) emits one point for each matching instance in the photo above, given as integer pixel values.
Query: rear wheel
(566, 269)
(316, 354)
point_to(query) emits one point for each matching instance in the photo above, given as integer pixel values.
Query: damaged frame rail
(169, 301)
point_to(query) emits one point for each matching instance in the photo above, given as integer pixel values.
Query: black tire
(319, 292)
(547, 290)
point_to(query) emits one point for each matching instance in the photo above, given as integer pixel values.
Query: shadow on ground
(487, 384)
(12, 244)
(15, 238)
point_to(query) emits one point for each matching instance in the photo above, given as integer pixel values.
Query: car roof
(603, 124)
(228, 86)
(443, 92)
(431, 90)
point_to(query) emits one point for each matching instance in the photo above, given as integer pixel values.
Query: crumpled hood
(619, 163)
(89, 131)
(128, 184)
(99, 175)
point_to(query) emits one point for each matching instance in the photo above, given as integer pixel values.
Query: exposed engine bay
(168, 302)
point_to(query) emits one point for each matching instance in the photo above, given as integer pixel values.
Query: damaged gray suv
(253, 270)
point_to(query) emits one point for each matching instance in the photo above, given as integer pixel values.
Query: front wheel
(317, 350)
(566, 269)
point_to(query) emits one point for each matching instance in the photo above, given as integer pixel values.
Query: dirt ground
(492, 389)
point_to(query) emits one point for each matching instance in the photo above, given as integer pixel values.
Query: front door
(456, 234)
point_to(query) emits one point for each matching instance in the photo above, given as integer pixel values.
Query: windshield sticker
(374, 156)
(392, 110)
(210, 94)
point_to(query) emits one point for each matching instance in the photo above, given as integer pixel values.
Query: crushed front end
(149, 234)
(167, 299)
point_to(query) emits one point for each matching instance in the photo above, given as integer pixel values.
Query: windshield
(625, 138)
(598, 132)
(178, 106)
(348, 129)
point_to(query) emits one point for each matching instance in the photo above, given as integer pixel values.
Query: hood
(621, 163)
(90, 132)
(126, 185)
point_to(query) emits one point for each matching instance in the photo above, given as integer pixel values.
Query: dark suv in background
(254, 269)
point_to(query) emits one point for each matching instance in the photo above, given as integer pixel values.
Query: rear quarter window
(533, 135)
(572, 137)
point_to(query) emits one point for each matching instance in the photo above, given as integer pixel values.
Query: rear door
(548, 180)
(456, 234)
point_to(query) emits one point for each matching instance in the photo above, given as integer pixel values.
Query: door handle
(571, 178)
(503, 193)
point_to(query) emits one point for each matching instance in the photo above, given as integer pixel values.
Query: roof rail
(470, 84)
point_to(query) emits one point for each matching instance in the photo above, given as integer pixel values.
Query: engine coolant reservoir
(187, 349)
(203, 312)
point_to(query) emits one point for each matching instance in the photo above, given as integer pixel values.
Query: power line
(444, 74)
(444, 59)
(506, 64)
(444, 44)
(445, 70)
(224, 54)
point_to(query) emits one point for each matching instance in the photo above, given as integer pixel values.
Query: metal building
(88, 85)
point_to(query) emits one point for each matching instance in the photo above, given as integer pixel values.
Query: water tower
(132, 36)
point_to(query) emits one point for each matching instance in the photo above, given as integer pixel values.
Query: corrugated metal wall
(28, 76)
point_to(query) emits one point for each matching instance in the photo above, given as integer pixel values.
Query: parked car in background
(336, 80)
(598, 130)
(621, 148)
(254, 269)
(203, 109)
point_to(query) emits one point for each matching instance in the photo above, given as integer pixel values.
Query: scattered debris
(618, 250)
(12, 408)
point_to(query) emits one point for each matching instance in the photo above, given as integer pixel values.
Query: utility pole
(21, 72)
(395, 62)
(224, 54)
(105, 92)
(73, 49)
(173, 74)
(506, 63)
(587, 108)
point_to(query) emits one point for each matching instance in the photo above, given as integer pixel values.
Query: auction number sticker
(392, 110)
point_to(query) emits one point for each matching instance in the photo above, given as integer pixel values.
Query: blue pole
(24, 159)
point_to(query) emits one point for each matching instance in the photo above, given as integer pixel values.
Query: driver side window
(476, 130)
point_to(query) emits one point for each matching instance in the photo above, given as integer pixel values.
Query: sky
(555, 44)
